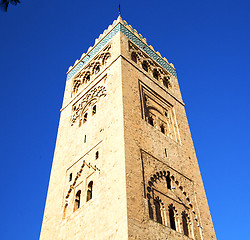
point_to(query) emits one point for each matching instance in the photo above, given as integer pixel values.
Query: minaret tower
(124, 164)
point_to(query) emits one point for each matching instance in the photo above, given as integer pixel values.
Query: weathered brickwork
(124, 164)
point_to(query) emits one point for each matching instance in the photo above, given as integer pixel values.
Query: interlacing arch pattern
(80, 107)
(150, 66)
(158, 176)
(93, 68)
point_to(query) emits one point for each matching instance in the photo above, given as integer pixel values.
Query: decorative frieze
(82, 105)
(84, 77)
(158, 73)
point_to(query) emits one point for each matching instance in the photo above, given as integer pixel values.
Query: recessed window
(185, 224)
(172, 218)
(96, 155)
(90, 191)
(168, 180)
(162, 129)
(85, 117)
(88, 76)
(85, 139)
(77, 200)
(70, 177)
(166, 82)
(97, 69)
(158, 211)
(94, 110)
(156, 75)
(145, 66)
(134, 57)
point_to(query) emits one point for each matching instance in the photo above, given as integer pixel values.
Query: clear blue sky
(208, 42)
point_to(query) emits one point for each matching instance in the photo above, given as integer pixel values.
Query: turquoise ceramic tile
(129, 35)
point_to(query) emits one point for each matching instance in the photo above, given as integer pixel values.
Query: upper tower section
(90, 63)
(119, 25)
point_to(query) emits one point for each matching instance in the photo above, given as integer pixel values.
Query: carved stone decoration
(94, 67)
(152, 68)
(165, 189)
(82, 105)
(159, 113)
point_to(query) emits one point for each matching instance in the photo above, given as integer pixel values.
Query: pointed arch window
(134, 57)
(90, 191)
(87, 77)
(145, 66)
(166, 82)
(168, 179)
(158, 211)
(172, 218)
(97, 69)
(162, 129)
(185, 224)
(156, 74)
(77, 200)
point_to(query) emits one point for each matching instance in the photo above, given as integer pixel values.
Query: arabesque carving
(154, 69)
(160, 114)
(84, 77)
(82, 105)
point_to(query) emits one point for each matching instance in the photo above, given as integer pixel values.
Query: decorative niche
(159, 113)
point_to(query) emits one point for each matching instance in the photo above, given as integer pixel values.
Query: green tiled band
(107, 38)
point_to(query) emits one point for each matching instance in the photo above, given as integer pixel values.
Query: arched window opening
(162, 129)
(106, 57)
(97, 69)
(70, 177)
(76, 85)
(85, 117)
(77, 200)
(156, 75)
(145, 66)
(134, 57)
(166, 82)
(96, 155)
(172, 218)
(94, 110)
(151, 121)
(90, 191)
(185, 224)
(87, 77)
(168, 179)
(158, 211)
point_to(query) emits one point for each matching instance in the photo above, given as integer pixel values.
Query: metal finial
(119, 8)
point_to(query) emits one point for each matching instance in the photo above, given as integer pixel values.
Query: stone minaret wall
(124, 155)
(151, 152)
